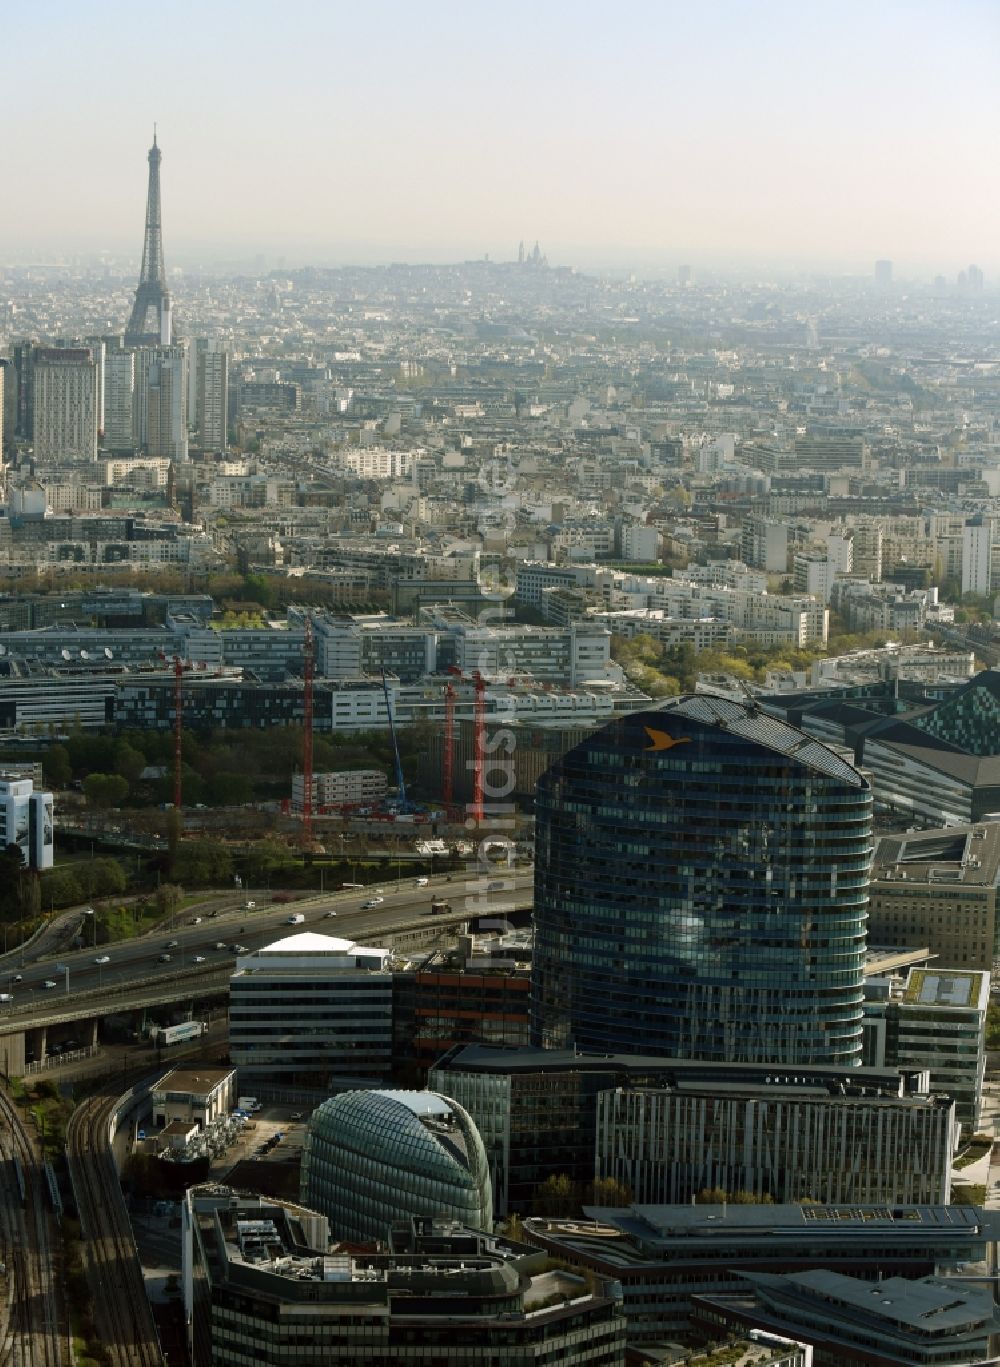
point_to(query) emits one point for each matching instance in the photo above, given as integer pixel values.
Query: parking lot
(257, 1141)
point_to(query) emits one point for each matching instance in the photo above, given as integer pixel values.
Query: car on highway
(240, 949)
(165, 958)
(6, 997)
(198, 959)
(17, 978)
(420, 882)
(171, 944)
(50, 982)
(220, 944)
(103, 959)
(330, 913)
(195, 921)
(372, 902)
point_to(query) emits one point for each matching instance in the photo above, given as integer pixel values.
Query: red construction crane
(448, 770)
(307, 736)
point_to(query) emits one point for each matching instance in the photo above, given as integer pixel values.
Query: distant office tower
(210, 375)
(883, 274)
(119, 397)
(166, 404)
(65, 404)
(6, 381)
(151, 293)
(829, 450)
(24, 365)
(701, 890)
(975, 278)
(683, 275)
(977, 545)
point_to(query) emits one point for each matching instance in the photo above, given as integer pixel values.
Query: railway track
(32, 1336)
(122, 1312)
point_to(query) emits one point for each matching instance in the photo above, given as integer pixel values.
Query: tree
(229, 790)
(168, 896)
(12, 880)
(105, 790)
(556, 1196)
(56, 766)
(202, 863)
(715, 1196)
(129, 762)
(608, 1191)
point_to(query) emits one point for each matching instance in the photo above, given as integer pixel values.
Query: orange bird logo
(661, 741)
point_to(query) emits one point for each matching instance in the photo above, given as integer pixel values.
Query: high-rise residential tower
(66, 403)
(701, 890)
(119, 398)
(166, 403)
(24, 403)
(977, 546)
(209, 398)
(152, 292)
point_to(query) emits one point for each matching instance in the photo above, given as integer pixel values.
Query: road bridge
(186, 966)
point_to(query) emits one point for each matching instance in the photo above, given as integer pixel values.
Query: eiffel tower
(152, 290)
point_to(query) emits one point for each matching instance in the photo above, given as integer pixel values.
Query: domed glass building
(372, 1158)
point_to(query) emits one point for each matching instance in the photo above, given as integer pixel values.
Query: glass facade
(970, 719)
(701, 890)
(371, 1158)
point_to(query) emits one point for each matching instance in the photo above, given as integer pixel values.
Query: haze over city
(736, 135)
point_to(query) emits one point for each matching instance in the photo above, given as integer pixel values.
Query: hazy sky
(627, 134)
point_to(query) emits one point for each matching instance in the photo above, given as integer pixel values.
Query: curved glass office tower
(701, 890)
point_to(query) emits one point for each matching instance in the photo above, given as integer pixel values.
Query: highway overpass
(138, 975)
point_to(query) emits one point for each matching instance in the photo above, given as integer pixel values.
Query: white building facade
(26, 820)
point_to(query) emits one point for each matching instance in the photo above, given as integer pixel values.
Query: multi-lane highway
(193, 951)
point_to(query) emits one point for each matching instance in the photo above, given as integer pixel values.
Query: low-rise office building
(373, 1158)
(262, 1285)
(939, 888)
(311, 1010)
(664, 1256)
(26, 820)
(193, 1096)
(835, 1142)
(664, 1126)
(437, 1006)
(851, 1323)
(935, 1022)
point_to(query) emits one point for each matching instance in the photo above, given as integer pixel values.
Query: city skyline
(744, 136)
